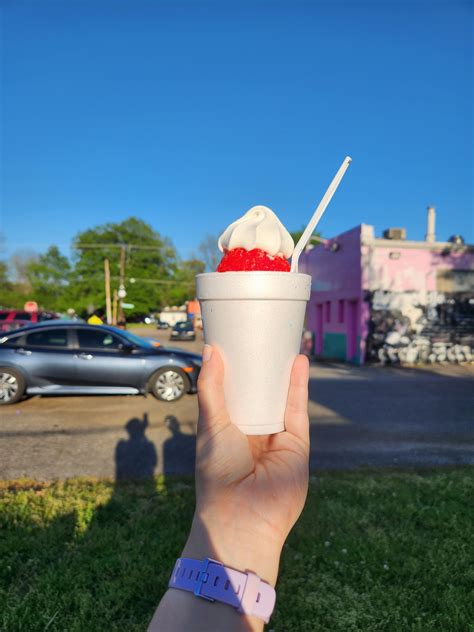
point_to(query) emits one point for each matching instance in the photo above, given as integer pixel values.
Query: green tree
(6, 286)
(49, 277)
(315, 239)
(209, 252)
(4, 279)
(148, 257)
(13, 294)
(18, 267)
(184, 286)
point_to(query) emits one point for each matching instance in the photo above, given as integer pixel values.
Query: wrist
(234, 547)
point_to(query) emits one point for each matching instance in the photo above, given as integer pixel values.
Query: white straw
(318, 213)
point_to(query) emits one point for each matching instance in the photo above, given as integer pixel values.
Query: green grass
(372, 551)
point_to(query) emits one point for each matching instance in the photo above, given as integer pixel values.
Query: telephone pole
(114, 310)
(107, 291)
(121, 292)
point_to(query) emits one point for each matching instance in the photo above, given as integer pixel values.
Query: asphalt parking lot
(359, 417)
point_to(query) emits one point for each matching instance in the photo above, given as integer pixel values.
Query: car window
(12, 341)
(23, 315)
(97, 339)
(3, 315)
(47, 338)
(183, 326)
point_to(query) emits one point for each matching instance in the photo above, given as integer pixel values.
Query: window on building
(319, 314)
(328, 311)
(340, 311)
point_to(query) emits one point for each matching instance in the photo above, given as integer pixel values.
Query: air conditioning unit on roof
(395, 233)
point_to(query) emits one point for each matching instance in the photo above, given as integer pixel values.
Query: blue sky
(187, 114)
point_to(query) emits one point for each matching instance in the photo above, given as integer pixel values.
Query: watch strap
(213, 581)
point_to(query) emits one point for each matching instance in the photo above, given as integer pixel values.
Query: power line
(142, 280)
(118, 246)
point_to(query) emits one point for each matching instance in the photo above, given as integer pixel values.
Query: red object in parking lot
(16, 318)
(31, 307)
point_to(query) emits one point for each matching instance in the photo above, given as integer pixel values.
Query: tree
(148, 257)
(184, 288)
(19, 262)
(209, 252)
(13, 293)
(315, 239)
(49, 278)
(4, 280)
(8, 296)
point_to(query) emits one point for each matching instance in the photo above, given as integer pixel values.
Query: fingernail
(206, 353)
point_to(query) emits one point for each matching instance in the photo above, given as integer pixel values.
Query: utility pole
(107, 291)
(114, 310)
(122, 293)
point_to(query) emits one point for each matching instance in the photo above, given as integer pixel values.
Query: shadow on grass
(372, 551)
(93, 555)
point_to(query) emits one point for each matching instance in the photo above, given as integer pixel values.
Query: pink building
(390, 299)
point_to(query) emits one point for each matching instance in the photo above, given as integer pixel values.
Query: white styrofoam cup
(255, 319)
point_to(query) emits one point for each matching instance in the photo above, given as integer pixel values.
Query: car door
(46, 356)
(101, 359)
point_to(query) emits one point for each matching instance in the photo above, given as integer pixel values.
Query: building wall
(335, 307)
(385, 300)
(420, 301)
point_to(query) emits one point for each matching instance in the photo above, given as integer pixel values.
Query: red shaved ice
(241, 260)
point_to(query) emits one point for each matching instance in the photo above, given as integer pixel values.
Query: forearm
(182, 611)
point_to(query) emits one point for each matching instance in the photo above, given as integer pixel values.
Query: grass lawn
(372, 551)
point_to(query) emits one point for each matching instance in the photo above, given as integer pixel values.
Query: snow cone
(253, 311)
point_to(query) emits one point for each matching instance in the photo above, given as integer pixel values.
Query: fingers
(296, 414)
(212, 407)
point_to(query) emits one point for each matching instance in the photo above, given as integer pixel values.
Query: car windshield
(136, 340)
(183, 326)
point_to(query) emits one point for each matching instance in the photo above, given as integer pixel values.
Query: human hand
(250, 490)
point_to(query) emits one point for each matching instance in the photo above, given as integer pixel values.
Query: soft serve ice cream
(256, 241)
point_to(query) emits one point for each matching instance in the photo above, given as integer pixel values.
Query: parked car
(162, 325)
(16, 318)
(10, 325)
(70, 358)
(183, 331)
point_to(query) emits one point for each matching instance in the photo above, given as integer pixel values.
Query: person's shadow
(110, 556)
(179, 451)
(135, 457)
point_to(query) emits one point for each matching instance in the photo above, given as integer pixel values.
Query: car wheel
(12, 386)
(169, 384)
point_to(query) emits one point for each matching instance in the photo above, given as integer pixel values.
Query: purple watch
(213, 581)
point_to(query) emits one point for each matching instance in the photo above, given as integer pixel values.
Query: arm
(250, 490)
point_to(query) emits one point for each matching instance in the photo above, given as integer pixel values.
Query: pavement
(360, 417)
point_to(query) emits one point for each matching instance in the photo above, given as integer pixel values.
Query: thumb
(212, 407)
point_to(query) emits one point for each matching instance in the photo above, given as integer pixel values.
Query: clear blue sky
(187, 114)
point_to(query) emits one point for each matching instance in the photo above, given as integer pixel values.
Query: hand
(250, 490)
